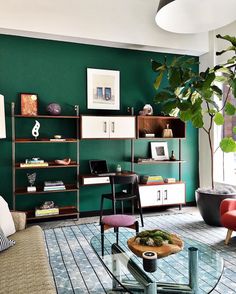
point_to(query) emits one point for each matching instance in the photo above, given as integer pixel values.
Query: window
(225, 163)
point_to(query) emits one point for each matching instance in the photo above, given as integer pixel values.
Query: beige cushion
(24, 268)
(6, 220)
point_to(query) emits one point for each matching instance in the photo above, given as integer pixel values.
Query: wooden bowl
(161, 251)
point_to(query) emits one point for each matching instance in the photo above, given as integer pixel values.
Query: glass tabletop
(172, 274)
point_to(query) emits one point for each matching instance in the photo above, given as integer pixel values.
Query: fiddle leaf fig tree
(198, 97)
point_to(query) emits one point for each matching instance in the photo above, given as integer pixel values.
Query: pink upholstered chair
(116, 221)
(228, 216)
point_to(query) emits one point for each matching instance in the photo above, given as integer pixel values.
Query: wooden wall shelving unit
(64, 212)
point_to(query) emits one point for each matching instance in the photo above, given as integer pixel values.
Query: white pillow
(6, 220)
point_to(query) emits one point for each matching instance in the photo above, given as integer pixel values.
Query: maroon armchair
(228, 216)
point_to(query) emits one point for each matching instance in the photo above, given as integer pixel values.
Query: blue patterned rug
(76, 268)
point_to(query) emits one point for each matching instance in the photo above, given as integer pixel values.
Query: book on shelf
(147, 179)
(46, 211)
(170, 180)
(54, 188)
(57, 140)
(53, 183)
(34, 164)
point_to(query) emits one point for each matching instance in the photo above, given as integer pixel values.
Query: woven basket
(161, 251)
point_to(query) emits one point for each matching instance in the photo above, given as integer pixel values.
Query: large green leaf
(231, 39)
(185, 115)
(229, 109)
(228, 145)
(197, 119)
(175, 77)
(219, 119)
(163, 96)
(158, 80)
(216, 90)
(208, 81)
(169, 105)
(184, 105)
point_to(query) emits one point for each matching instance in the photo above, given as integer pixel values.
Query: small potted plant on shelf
(198, 98)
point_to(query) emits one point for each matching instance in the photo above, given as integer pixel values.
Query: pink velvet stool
(228, 216)
(116, 221)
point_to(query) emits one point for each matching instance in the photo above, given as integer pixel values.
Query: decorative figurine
(35, 130)
(31, 180)
(172, 157)
(167, 133)
(147, 110)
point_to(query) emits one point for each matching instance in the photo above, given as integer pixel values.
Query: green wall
(56, 71)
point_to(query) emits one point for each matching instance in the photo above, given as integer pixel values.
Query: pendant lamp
(194, 16)
(2, 118)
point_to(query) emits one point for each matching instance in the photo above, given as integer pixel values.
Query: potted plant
(194, 97)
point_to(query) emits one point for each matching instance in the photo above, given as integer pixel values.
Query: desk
(90, 179)
(172, 274)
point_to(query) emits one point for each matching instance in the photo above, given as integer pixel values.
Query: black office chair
(130, 181)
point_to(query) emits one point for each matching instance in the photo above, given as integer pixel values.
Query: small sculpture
(172, 157)
(65, 161)
(147, 110)
(35, 130)
(54, 109)
(47, 205)
(167, 133)
(31, 180)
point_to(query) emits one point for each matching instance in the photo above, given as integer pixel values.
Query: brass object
(167, 133)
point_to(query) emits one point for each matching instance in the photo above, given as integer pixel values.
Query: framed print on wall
(103, 89)
(159, 150)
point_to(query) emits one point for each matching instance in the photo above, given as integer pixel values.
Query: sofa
(24, 268)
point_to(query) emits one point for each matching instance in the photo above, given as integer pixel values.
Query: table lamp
(2, 118)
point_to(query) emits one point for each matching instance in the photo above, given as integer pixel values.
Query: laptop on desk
(100, 168)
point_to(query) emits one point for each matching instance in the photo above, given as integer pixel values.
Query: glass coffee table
(195, 269)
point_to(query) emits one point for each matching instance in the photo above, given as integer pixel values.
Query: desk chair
(130, 181)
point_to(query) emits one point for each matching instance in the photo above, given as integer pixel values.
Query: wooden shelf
(52, 164)
(48, 116)
(156, 124)
(44, 140)
(64, 212)
(158, 161)
(23, 190)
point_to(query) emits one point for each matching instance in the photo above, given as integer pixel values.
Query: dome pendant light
(194, 16)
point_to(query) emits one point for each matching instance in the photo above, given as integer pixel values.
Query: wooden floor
(186, 223)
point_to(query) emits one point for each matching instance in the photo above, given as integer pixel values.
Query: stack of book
(34, 163)
(151, 179)
(46, 211)
(53, 185)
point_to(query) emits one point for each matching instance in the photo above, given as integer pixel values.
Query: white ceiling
(123, 23)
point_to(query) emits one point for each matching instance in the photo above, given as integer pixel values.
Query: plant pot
(209, 206)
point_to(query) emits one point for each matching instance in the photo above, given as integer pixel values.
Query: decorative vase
(167, 133)
(54, 109)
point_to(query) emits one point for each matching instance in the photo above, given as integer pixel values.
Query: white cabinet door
(122, 127)
(150, 195)
(94, 127)
(162, 194)
(173, 194)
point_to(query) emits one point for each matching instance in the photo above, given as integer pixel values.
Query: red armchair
(228, 216)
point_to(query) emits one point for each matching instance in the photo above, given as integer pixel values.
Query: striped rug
(76, 268)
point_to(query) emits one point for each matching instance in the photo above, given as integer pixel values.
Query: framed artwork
(103, 89)
(29, 104)
(159, 150)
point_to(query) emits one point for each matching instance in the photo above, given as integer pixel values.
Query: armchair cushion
(227, 204)
(6, 220)
(19, 219)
